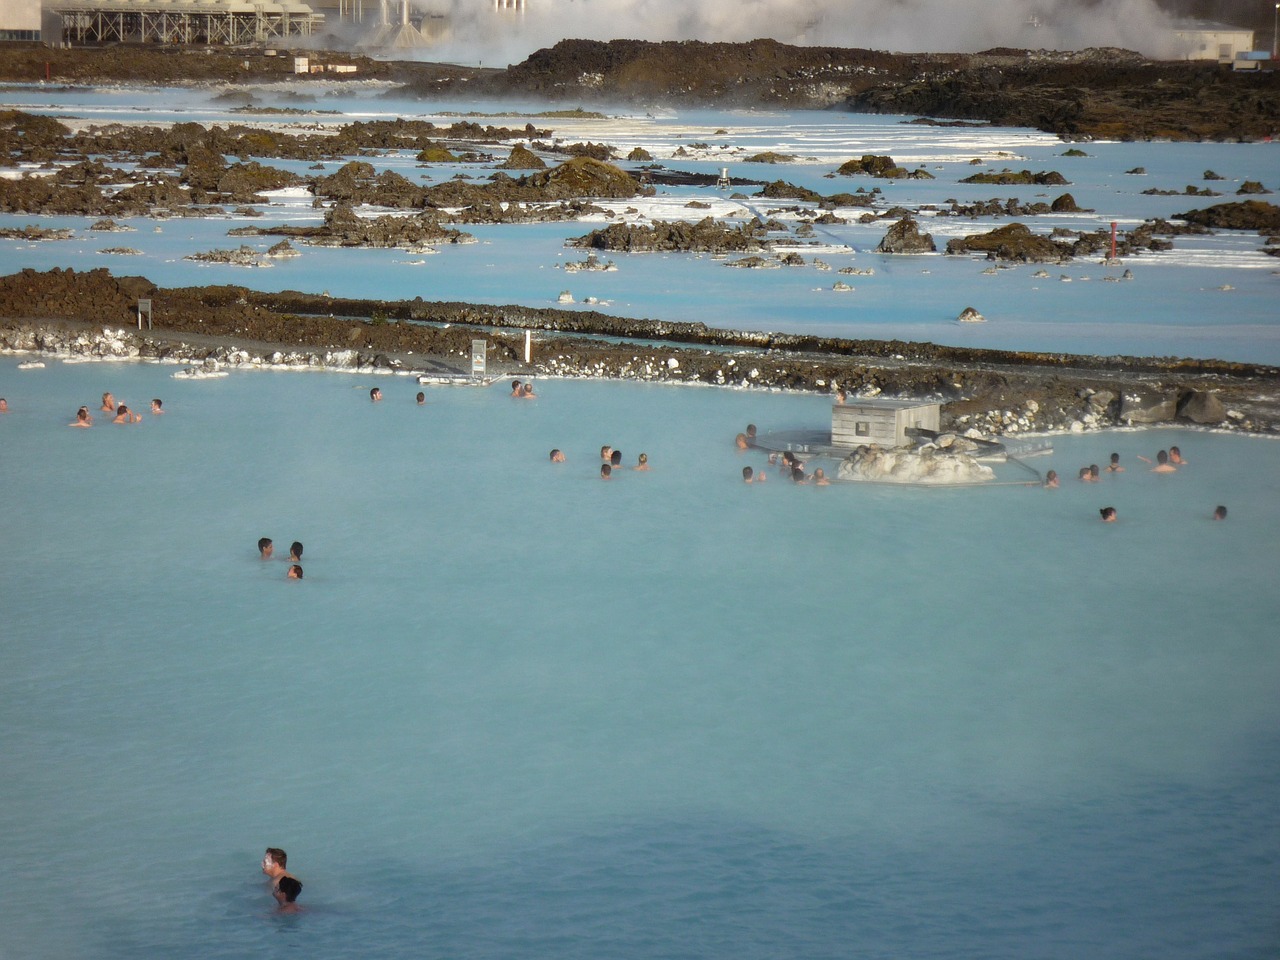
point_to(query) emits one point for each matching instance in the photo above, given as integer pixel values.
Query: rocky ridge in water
(992, 392)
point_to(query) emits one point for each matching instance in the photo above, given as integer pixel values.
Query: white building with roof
(1211, 41)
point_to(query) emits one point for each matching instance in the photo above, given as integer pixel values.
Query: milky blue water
(1211, 296)
(515, 711)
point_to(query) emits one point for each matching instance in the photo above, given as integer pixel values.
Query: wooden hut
(866, 421)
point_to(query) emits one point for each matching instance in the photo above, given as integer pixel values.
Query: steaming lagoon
(515, 711)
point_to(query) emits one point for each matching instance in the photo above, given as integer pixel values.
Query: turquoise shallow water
(515, 711)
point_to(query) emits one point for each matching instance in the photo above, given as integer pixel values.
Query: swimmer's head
(557, 456)
(606, 452)
(295, 572)
(265, 547)
(156, 405)
(515, 386)
(375, 394)
(422, 397)
(295, 551)
(1220, 513)
(606, 471)
(287, 889)
(1115, 458)
(121, 410)
(644, 458)
(615, 458)
(1108, 514)
(751, 430)
(1162, 457)
(748, 474)
(276, 856)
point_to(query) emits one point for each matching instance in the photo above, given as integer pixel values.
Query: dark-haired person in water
(1108, 514)
(557, 455)
(266, 548)
(286, 893)
(295, 552)
(82, 418)
(285, 887)
(1220, 513)
(295, 572)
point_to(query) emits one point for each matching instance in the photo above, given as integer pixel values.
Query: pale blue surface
(514, 711)
(1175, 305)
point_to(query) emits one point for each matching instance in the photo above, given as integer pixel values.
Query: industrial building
(1210, 41)
(20, 20)
(214, 22)
(383, 23)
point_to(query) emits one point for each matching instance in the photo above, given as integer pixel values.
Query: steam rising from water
(479, 33)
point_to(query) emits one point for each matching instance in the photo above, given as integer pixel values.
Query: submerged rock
(705, 236)
(1013, 241)
(1242, 215)
(522, 158)
(905, 237)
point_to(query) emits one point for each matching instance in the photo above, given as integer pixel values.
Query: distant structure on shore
(207, 22)
(1199, 40)
(366, 24)
(20, 20)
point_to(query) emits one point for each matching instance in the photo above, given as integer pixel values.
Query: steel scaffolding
(213, 22)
